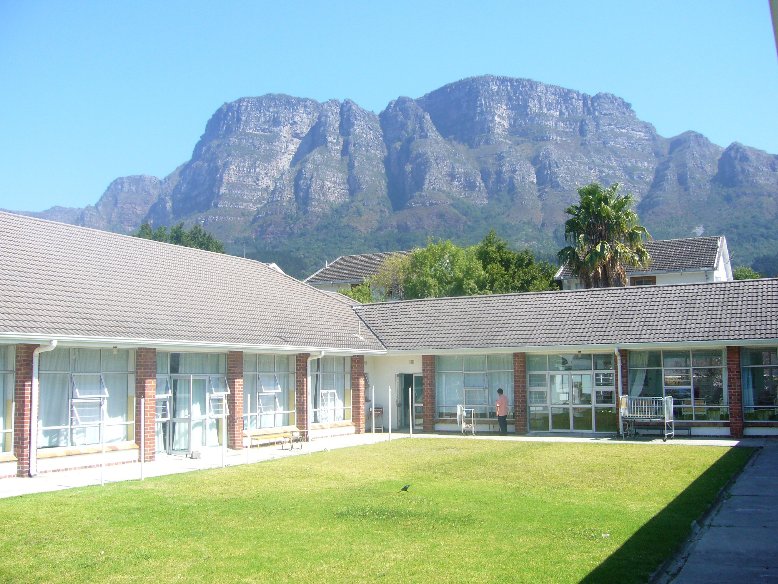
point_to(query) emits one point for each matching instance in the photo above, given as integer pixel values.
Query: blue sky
(92, 91)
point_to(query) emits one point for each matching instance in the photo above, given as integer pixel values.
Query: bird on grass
(405, 488)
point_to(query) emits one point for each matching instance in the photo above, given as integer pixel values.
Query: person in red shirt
(502, 411)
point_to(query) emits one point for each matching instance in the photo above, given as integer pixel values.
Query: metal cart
(647, 410)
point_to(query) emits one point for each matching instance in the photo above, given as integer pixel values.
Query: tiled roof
(674, 255)
(66, 281)
(733, 311)
(352, 268)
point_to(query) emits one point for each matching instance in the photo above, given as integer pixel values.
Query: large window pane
(645, 382)
(537, 363)
(707, 359)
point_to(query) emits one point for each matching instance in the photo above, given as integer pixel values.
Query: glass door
(581, 411)
(181, 398)
(560, 401)
(191, 425)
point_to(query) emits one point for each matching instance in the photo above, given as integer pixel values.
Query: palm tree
(603, 236)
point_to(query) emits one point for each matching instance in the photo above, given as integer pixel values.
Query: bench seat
(284, 434)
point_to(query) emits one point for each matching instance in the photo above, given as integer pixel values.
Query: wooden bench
(284, 434)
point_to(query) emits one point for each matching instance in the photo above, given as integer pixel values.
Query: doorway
(414, 382)
(184, 420)
(571, 402)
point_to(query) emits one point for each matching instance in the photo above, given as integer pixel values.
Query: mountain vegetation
(295, 181)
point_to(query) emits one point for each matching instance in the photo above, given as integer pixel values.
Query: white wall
(382, 374)
(681, 278)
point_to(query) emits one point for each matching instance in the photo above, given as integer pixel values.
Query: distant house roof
(673, 255)
(737, 311)
(352, 269)
(66, 282)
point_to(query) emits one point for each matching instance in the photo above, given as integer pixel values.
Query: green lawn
(476, 511)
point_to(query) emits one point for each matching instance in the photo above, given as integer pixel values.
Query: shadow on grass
(663, 534)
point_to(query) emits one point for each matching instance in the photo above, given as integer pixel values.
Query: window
(331, 389)
(642, 281)
(760, 384)
(572, 391)
(695, 380)
(472, 380)
(268, 391)
(6, 398)
(72, 384)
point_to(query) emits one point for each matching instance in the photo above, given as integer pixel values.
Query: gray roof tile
(725, 311)
(674, 255)
(57, 279)
(352, 268)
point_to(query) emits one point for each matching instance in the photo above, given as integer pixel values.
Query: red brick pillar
(146, 388)
(734, 392)
(301, 391)
(358, 393)
(520, 392)
(23, 408)
(235, 400)
(430, 407)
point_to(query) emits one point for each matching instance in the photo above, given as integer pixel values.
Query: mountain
(296, 181)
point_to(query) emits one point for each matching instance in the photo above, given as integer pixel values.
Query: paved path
(738, 542)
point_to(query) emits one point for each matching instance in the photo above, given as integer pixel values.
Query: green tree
(507, 271)
(361, 293)
(604, 236)
(195, 237)
(389, 282)
(201, 239)
(745, 273)
(145, 232)
(443, 269)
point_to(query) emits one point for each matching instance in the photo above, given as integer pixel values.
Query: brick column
(430, 407)
(358, 393)
(520, 392)
(734, 392)
(301, 391)
(146, 387)
(23, 408)
(235, 400)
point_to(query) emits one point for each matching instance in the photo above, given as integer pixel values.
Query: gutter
(183, 345)
(34, 399)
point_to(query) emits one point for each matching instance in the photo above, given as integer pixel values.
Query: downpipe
(34, 401)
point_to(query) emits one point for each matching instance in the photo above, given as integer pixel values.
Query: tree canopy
(604, 236)
(745, 273)
(195, 237)
(445, 269)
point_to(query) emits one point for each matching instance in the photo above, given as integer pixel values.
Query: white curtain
(53, 409)
(748, 385)
(638, 360)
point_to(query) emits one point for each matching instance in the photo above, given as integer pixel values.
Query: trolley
(648, 410)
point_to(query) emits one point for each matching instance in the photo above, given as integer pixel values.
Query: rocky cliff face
(294, 178)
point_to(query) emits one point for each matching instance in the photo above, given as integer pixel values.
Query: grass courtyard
(476, 511)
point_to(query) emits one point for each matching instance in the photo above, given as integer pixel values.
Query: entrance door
(191, 428)
(411, 386)
(571, 402)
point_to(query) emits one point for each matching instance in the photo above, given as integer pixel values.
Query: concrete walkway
(738, 541)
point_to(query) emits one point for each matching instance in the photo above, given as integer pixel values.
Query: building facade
(134, 348)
